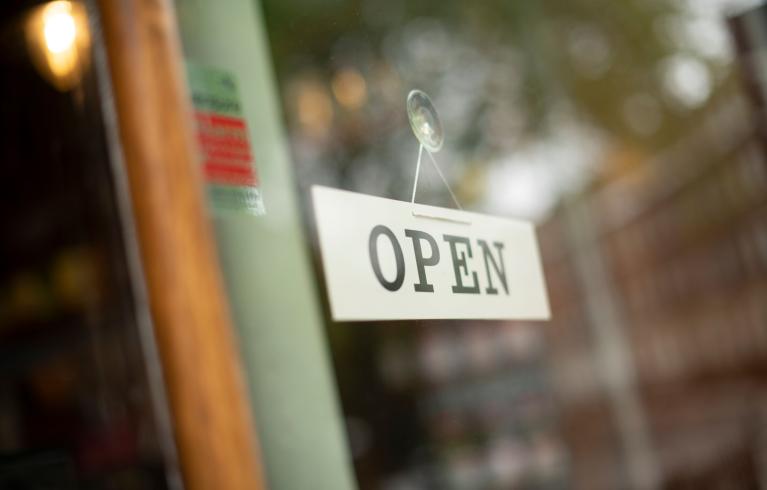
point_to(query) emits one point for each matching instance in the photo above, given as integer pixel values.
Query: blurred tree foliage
(501, 71)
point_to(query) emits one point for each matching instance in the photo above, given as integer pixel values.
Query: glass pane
(630, 133)
(76, 406)
(624, 131)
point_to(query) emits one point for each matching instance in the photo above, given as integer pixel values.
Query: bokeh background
(630, 133)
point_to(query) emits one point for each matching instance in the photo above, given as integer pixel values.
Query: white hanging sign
(395, 260)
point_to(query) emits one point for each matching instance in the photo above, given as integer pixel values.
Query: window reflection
(624, 131)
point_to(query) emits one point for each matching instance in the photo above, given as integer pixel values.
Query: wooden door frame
(213, 429)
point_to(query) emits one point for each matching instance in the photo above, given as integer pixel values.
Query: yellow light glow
(315, 109)
(350, 89)
(58, 40)
(59, 27)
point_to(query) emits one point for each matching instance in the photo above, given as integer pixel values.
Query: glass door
(630, 133)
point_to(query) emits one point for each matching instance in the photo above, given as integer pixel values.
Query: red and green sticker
(228, 164)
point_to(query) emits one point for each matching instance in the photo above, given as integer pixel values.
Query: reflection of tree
(498, 71)
(507, 76)
(621, 86)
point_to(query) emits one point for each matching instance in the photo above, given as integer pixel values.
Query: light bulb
(59, 28)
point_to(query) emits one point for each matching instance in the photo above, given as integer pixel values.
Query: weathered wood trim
(211, 416)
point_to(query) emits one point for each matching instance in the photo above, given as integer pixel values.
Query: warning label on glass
(229, 167)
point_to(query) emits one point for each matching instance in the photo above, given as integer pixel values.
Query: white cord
(436, 167)
(417, 171)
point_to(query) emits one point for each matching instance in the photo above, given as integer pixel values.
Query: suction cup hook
(424, 121)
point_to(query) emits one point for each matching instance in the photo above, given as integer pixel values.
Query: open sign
(466, 281)
(386, 260)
